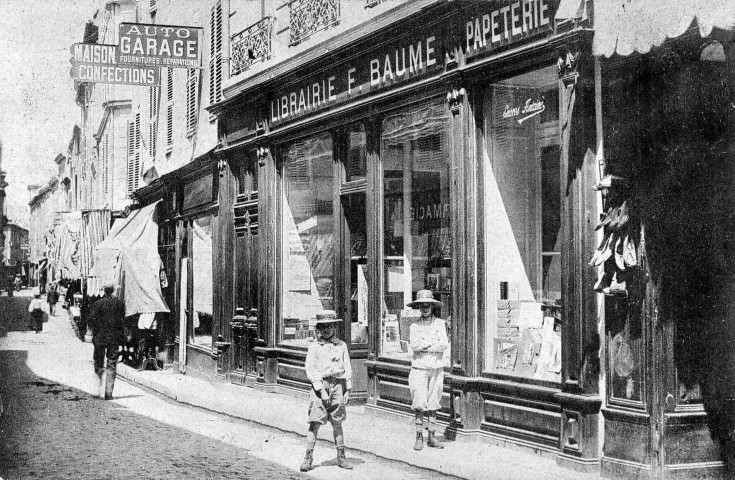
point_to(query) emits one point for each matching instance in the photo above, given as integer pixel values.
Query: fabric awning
(65, 255)
(129, 258)
(95, 227)
(627, 26)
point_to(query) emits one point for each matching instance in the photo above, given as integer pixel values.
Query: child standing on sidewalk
(330, 373)
(428, 336)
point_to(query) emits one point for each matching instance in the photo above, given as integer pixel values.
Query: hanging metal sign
(160, 45)
(97, 63)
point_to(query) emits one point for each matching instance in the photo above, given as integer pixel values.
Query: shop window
(523, 225)
(354, 208)
(356, 161)
(201, 230)
(246, 173)
(309, 241)
(417, 221)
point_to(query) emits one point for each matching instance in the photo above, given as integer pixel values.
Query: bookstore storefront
(449, 158)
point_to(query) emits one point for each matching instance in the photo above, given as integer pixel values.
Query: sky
(37, 100)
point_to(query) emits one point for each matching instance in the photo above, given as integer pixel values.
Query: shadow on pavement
(51, 430)
(14, 316)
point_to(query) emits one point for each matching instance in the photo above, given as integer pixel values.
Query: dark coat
(53, 296)
(106, 320)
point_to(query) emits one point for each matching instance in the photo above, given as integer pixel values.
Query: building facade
(15, 249)
(334, 157)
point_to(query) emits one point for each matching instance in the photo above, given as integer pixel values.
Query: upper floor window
(307, 17)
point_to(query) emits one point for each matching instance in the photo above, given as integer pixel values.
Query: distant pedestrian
(330, 373)
(52, 297)
(106, 321)
(35, 308)
(428, 338)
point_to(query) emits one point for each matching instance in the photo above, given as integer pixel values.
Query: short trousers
(335, 410)
(426, 388)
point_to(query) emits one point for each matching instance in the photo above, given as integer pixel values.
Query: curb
(129, 374)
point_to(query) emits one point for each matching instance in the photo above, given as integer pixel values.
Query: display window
(523, 226)
(201, 231)
(308, 236)
(354, 208)
(417, 247)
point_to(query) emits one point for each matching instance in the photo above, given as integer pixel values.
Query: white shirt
(431, 333)
(328, 359)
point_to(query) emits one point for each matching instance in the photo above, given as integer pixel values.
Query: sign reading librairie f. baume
(160, 45)
(97, 63)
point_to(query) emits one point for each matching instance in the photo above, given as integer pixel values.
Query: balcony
(251, 46)
(310, 16)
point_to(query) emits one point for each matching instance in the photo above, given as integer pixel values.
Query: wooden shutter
(136, 164)
(191, 100)
(131, 155)
(215, 53)
(170, 109)
(105, 165)
(153, 123)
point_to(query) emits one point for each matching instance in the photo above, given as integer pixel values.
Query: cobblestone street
(54, 424)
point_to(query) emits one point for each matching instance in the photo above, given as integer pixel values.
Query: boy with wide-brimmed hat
(428, 339)
(330, 373)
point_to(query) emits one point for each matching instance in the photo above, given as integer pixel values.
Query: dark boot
(419, 441)
(342, 460)
(308, 458)
(433, 442)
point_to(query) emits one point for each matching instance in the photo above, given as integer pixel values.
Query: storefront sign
(483, 28)
(499, 23)
(521, 113)
(198, 192)
(98, 63)
(403, 60)
(160, 45)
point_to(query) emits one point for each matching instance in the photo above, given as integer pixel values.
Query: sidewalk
(365, 434)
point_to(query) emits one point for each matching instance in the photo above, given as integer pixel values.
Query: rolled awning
(627, 26)
(129, 258)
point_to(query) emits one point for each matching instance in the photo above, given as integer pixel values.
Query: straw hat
(424, 297)
(327, 316)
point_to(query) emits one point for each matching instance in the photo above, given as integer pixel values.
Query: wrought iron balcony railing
(252, 45)
(310, 16)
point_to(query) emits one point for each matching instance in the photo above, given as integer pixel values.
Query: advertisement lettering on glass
(529, 110)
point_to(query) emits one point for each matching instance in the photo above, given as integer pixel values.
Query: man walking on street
(52, 297)
(106, 321)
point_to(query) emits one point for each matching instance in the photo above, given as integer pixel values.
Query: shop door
(245, 322)
(353, 296)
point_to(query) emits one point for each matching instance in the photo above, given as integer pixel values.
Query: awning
(42, 264)
(95, 227)
(66, 254)
(627, 26)
(129, 258)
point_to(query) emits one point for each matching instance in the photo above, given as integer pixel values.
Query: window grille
(307, 17)
(252, 45)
